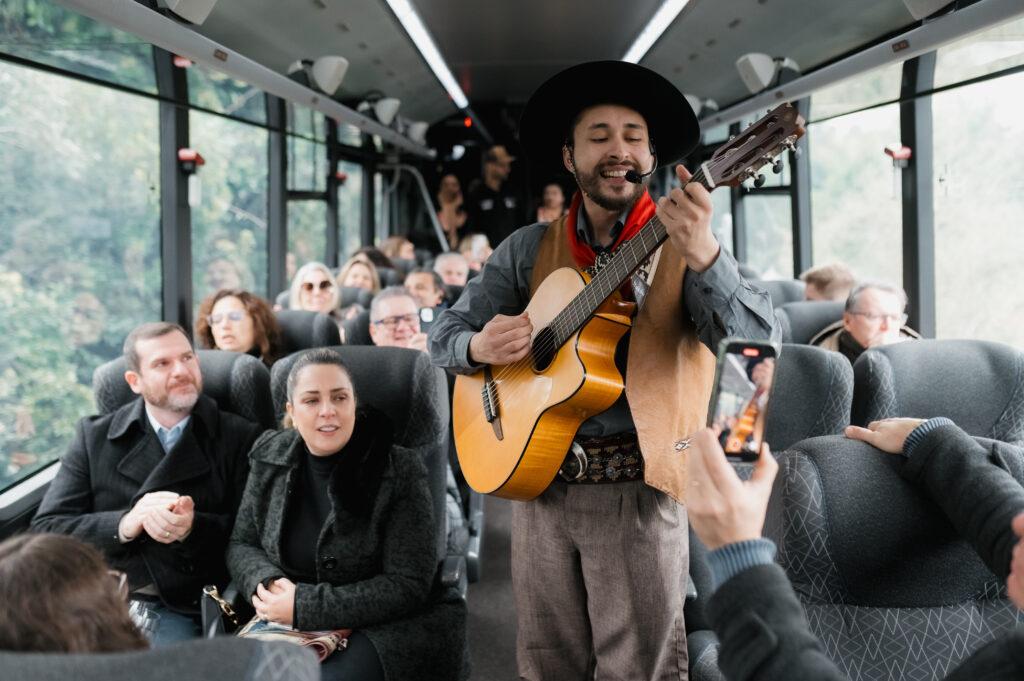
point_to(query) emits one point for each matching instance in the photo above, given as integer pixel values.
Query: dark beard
(590, 185)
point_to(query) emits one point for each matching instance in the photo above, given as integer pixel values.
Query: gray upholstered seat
(701, 641)
(802, 320)
(781, 291)
(223, 658)
(237, 382)
(811, 395)
(353, 294)
(452, 293)
(301, 329)
(357, 329)
(389, 276)
(889, 588)
(978, 384)
(412, 392)
(283, 299)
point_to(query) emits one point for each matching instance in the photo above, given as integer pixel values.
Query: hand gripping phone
(739, 403)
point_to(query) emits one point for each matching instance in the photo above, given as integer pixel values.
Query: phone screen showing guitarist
(739, 404)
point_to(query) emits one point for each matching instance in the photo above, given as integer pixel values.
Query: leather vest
(669, 371)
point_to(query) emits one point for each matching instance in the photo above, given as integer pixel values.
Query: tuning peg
(777, 167)
(759, 181)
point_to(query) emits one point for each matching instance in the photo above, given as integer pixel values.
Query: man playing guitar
(600, 558)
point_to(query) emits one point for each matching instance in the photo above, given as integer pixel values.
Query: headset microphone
(638, 178)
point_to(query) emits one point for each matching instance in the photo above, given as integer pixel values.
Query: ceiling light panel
(661, 20)
(410, 20)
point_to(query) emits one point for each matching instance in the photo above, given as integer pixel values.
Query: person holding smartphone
(963, 477)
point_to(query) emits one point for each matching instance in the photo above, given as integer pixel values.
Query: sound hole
(543, 349)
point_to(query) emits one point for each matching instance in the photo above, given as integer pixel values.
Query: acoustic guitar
(514, 424)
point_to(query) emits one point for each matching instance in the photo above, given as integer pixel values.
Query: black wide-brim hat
(544, 125)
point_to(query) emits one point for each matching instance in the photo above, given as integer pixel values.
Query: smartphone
(427, 316)
(739, 402)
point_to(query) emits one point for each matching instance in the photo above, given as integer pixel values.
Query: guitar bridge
(489, 394)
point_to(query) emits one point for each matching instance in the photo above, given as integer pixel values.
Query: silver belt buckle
(581, 462)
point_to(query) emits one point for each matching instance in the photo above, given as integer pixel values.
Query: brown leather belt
(596, 460)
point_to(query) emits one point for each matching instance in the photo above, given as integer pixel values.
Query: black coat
(376, 560)
(760, 622)
(117, 458)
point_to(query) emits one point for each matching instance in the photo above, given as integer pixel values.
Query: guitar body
(539, 412)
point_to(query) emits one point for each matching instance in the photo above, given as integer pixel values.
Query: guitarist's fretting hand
(686, 215)
(503, 340)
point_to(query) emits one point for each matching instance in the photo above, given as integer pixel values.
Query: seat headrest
(351, 295)
(802, 320)
(781, 291)
(811, 395)
(399, 382)
(851, 530)
(237, 382)
(283, 299)
(403, 266)
(389, 276)
(978, 384)
(452, 292)
(357, 329)
(302, 329)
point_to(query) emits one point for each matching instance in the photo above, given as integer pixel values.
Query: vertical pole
(277, 196)
(739, 223)
(800, 197)
(331, 257)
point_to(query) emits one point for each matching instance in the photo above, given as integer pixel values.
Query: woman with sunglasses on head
(236, 320)
(59, 595)
(336, 531)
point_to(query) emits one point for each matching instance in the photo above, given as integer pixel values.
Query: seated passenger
(59, 596)
(155, 485)
(965, 479)
(427, 287)
(476, 249)
(398, 247)
(313, 289)
(236, 320)
(358, 272)
(828, 282)
(374, 255)
(874, 316)
(336, 531)
(395, 320)
(453, 268)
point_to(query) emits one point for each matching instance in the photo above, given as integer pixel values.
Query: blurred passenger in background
(833, 281)
(426, 286)
(359, 272)
(451, 212)
(453, 268)
(373, 255)
(476, 249)
(874, 316)
(314, 289)
(60, 596)
(239, 321)
(493, 209)
(398, 247)
(552, 204)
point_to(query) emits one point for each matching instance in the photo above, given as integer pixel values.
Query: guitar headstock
(740, 158)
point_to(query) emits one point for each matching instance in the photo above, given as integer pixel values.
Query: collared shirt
(720, 302)
(168, 436)
(586, 235)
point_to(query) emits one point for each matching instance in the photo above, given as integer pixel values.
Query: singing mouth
(613, 173)
(328, 429)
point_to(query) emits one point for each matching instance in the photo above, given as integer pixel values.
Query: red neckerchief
(642, 211)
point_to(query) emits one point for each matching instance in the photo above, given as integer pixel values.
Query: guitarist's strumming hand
(503, 340)
(686, 214)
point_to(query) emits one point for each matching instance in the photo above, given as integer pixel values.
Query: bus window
(988, 52)
(769, 224)
(307, 233)
(350, 201)
(79, 250)
(721, 217)
(215, 91)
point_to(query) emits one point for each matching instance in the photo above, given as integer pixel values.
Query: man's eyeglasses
(234, 315)
(900, 319)
(393, 322)
(323, 285)
(122, 582)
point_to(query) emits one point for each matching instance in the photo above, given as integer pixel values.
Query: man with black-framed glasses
(874, 315)
(395, 320)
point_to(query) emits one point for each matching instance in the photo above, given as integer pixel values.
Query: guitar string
(587, 293)
(525, 364)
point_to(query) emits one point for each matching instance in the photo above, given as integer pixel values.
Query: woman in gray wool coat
(336, 531)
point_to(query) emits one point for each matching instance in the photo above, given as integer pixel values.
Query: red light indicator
(468, 122)
(751, 352)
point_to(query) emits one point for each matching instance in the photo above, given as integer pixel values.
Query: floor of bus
(492, 617)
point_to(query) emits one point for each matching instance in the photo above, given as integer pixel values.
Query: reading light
(412, 24)
(661, 20)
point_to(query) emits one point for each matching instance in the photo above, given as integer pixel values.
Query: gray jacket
(375, 573)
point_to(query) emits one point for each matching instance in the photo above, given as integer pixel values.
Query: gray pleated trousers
(599, 576)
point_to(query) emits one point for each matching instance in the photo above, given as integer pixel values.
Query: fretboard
(627, 259)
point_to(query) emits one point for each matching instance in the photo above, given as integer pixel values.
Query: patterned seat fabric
(301, 329)
(781, 291)
(811, 395)
(802, 320)
(978, 384)
(888, 586)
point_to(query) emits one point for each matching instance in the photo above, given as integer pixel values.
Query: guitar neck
(627, 259)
